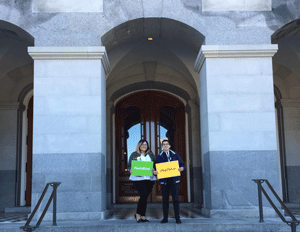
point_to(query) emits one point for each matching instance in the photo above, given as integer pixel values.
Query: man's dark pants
(165, 190)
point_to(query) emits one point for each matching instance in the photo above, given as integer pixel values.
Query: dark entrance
(150, 112)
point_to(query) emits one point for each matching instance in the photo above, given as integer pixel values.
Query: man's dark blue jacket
(162, 157)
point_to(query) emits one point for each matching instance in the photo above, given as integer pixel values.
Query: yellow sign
(167, 169)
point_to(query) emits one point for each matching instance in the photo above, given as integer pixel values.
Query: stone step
(23, 209)
(205, 225)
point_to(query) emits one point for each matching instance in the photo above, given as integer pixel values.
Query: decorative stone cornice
(9, 105)
(71, 53)
(234, 51)
(290, 102)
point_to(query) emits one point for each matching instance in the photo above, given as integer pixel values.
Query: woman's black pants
(144, 188)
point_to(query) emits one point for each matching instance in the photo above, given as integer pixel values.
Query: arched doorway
(164, 64)
(151, 112)
(287, 101)
(25, 169)
(16, 75)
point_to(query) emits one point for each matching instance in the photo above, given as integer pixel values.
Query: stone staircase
(205, 225)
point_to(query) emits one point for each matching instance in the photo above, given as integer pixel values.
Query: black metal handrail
(27, 227)
(294, 223)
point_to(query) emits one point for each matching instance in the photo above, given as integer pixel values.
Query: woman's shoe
(145, 220)
(138, 221)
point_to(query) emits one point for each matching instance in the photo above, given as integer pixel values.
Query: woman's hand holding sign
(180, 169)
(154, 172)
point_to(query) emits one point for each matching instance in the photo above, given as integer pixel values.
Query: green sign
(141, 168)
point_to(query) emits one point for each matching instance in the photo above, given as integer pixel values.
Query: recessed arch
(16, 81)
(174, 90)
(286, 63)
(16, 66)
(164, 65)
(24, 99)
(170, 56)
(156, 28)
(12, 31)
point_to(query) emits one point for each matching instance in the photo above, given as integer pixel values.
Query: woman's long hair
(140, 144)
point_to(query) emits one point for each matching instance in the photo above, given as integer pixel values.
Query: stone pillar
(291, 120)
(69, 132)
(238, 131)
(109, 150)
(196, 152)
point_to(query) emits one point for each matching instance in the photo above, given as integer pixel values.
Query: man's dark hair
(165, 140)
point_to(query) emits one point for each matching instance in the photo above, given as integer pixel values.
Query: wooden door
(150, 110)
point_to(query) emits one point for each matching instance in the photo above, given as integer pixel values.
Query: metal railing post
(261, 212)
(294, 223)
(293, 226)
(54, 185)
(53, 197)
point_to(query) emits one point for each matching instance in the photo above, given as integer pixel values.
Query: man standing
(170, 184)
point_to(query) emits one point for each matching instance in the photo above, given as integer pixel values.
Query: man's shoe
(164, 220)
(178, 221)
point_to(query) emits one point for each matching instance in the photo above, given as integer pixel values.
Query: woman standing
(143, 184)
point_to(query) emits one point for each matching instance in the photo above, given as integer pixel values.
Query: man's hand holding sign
(168, 169)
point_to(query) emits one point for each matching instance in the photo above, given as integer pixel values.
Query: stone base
(74, 216)
(238, 213)
(22, 209)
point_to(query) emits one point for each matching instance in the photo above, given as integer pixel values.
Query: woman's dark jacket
(135, 155)
(162, 157)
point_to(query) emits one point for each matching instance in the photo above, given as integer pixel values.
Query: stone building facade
(221, 77)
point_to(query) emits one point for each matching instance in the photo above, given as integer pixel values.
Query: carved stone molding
(71, 53)
(234, 51)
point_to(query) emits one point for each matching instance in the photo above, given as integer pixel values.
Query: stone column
(109, 150)
(196, 151)
(69, 134)
(238, 131)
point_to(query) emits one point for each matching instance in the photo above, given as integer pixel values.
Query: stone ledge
(238, 213)
(234, 51)
(22, 209)
(71, 53)
(69, 6)
(74, 216)
(246, 5)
